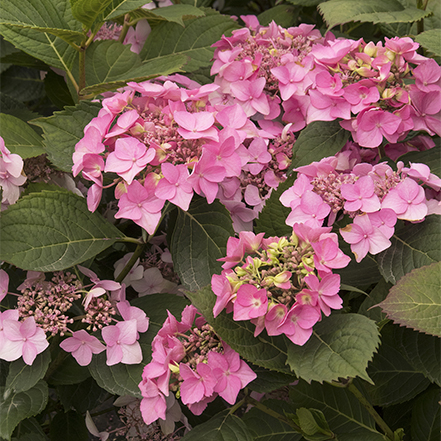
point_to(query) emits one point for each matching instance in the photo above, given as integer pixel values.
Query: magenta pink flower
(250, 303)
(251, 97)
(360, 195)
(311, 211)
(232, 373)
(82, 345)
(274, 318)
(196, 385)
(364, 238)
(407, 199)
(385, 220)
(196, 125)
(22, 339)
(122, 346)
(153, 404)
(326, 291)
(132, 312)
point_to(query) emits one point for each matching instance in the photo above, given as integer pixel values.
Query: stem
(131, 262)
(368, 406)
(82, 71)
(272, 413)
(125, 28)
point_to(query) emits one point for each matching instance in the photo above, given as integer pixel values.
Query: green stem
(125, 28)
(368, 406)
(131, 262)
(272, 413)
(82, 71)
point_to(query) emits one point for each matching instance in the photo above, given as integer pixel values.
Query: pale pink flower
(91, 427)
(196, 125)
(4, 283)
(196, 385)
(360, 195)
(153, 404)
(326, 291)
(250, 302)
(132, 312)
(82, 345)
(152, 282)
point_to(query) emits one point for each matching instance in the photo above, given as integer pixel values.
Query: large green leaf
(16, 407)
(429, 157)
(413, 246)
(415, 301)
(426, 416)
(39, 15)
(430, 40)
(395, 380)
(283, 15)
(420, 350)
(66, 370)
(63, 130)
(341, 346)
(51, 231)
(22, 376)
(30, 430)
(317, 141)
(86, 11)
(268, 380)
(22, 84)
(194, 40)
(69, 426)
(222, 427)
(19, 137)
(118, 8)
(199, 238)
(264, 351)
(337, 12)
(174, 13)
(343, 412)
(369, 307)
(43, 45)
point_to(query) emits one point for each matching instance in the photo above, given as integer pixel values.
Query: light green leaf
(22, 377)
(51, 231)
(306, 3)
(317, 141)
(422, 351)
(43, 45)
(342, 410)
(118, 8)
(415, 301)
(194, 40)
(199, 238)
(16, 407)
(264, 351)
(426, 416)
(341, 347)
(222, 427)
(69, 426)
(394, 379)
(175, 14)
(413, 246)
(430, 40)
(271, 220)
(86, 11)
(39, 15)
(149, 69)
(19, 137)
(63, 130)
(337, 12)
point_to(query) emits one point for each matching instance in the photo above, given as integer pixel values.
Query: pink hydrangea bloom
(82, 345)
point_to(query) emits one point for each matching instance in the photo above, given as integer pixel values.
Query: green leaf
(22, 84)
(69, 426)
(57, 90)
(83, 396)
(194, 40)
(264, 427)
(51, 231)
(222, 427)
(395, 380)
(430, 40)
(30, 430)
(86, 11)
(199, 238)
(39, 15)
(118, 8)
(63, 130)
(19, 137)
(341, 346)
(413, 246)
(68, 371)
(16, 108)
(16, 407)
(342, 410)
(264, 351)
(337, 12)
(271, 220)
(174, 13)
(422, 351)
(23, 377)
(426, 416)
(317, 141)
(306, 3)
(429, 157)
(415, 300)
(370, 307)
(283, 15)
(313, 424)
(268, 380)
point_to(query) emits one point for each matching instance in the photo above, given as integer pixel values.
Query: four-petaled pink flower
(82, 345)
(250, 302)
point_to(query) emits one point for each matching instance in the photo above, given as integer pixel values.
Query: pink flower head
(22, 339)
(364, 238)
(132, 312)
(251, 97)
(250, 303)
(326, 290)
(153, 404)
(82, 345)
(122, 346)
(196, 125)
(196, 385)
(360, 195)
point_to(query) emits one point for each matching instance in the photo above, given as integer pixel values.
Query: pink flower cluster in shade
(162, 142)
(11, 175)
(282, 285)
(189, 358)
(374, 196)
(379, 91)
